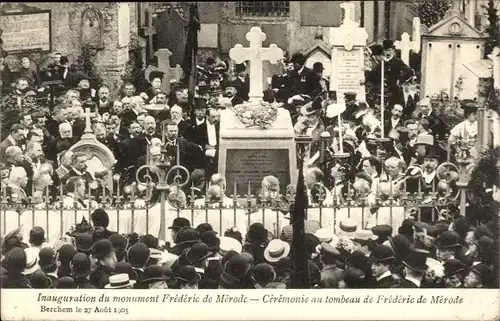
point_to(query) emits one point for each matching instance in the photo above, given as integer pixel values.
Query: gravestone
(99, 156)
(447, 47)
(348, 42)
(256, 54)
(247, 154)
(405, 45)
(164, 66)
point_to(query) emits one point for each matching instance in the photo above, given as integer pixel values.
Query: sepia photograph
(322, 155)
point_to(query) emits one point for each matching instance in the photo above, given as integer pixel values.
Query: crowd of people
(43, 117)
(418, 255)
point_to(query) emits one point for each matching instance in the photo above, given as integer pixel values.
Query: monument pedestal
(247, 154)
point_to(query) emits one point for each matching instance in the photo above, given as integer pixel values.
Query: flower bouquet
(261, 113)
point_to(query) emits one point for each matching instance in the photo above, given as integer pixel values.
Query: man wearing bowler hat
(382, 259)
(415, 267)
(303, 79)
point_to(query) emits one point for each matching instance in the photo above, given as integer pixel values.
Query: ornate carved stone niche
(92, 29)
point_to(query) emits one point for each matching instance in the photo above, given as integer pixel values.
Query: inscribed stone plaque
(251, 165)
(348, 71)
(26, 32)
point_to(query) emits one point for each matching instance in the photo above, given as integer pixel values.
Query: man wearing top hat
(241, 83)
(396, 72)
(415, 266)
(196, 131)
(303, 79)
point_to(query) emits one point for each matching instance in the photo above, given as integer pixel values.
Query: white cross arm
(273, 54)
(239, 54)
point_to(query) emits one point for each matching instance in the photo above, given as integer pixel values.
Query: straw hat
(275, 250)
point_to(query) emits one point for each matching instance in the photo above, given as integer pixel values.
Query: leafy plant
(492, 29)
(432, 11)
(133, 70)
(85, 63)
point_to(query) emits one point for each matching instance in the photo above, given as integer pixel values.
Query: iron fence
(147, 213)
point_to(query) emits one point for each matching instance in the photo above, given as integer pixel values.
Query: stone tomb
(247, 154)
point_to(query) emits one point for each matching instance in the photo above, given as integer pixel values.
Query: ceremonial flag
(300, 280)
(190, 52)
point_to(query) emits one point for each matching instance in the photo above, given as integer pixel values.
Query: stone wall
(66, 26)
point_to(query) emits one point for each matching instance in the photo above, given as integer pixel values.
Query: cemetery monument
(256, 138)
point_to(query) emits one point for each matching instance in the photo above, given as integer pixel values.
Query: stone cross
(495, 57)
(405, 45)
(349, 13)
(149, 30)
(88, 124)
(256, 54)
(164, 66)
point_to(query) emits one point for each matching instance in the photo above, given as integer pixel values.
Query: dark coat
(79, 127)
(307, 82)
(437, 126)
(3, 147)
(83, 284)
(191, 155)
(242, 88)
(405, 284)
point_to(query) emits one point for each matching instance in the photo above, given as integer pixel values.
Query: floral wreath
(261, 113)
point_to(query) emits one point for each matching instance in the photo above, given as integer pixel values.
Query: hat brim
(198, 279)
(82, 249)
(109, 286)
(32, 269)
(151, 280)
(272, 259)
(417, 268)
(199, 259)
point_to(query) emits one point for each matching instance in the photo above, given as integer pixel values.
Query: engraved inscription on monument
(34, 36)
(348, 69)
(251, 165)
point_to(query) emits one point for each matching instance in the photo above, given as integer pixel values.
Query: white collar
(301, 69)
(200, 122)
(77, 171)
(384, 275)
(428, 177)
(413, 280)
(199, 270)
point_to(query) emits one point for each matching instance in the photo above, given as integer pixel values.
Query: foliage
(493, 99)
(492, 29)
(85, 64)
(432, 11)
(133, 70)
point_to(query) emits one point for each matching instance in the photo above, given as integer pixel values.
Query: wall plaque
(26, 32)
